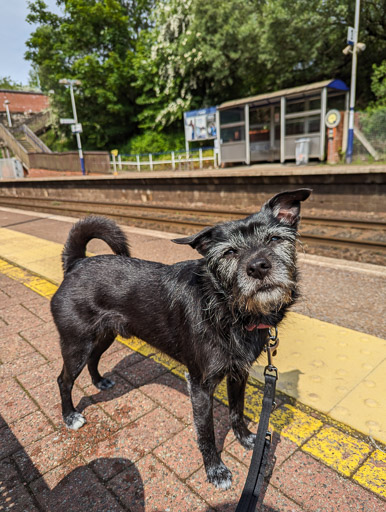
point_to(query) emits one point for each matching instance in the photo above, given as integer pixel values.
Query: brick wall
(20, 101)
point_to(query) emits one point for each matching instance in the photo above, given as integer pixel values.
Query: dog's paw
(248, 442)
(105, 383)
(220, 476)
(74, 421)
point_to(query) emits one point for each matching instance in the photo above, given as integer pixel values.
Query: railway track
(335, 232)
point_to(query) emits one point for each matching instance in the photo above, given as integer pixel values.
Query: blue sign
(200, 124)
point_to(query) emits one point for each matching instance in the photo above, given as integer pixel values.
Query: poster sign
(200, 124)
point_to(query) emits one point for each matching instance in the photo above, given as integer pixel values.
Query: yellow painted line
(35, 283)
(39, 256)
(372, 474)
(337, 450)
(294, 424)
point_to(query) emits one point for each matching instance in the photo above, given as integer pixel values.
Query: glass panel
(294, 127)
(337, 102)
(293, 107)
(313, 124)
(234, 134)
(314, 103)
(277, 132)
(234, 115)
(259, 134)
(260, 116)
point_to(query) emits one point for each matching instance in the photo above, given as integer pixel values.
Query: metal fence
(370, 135)
(177, 160)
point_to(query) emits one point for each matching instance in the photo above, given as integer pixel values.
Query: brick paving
(137, 451)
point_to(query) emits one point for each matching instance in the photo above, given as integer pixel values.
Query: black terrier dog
(211, 314)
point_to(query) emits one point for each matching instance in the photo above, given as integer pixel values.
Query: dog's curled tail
(87, 229)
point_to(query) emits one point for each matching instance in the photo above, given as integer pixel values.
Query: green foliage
(198, 53)
(142, 64)
(93, 41)
(151, 141)
(56, 141)
(6, 82)
(378, 86)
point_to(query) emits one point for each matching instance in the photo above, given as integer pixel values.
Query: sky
(14, 32)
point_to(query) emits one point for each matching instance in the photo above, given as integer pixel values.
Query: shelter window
(313, 124)
(337, 102)
(294, 127)
(295, 106)
(233, 134)
(234, 115)
(315, 103)
(259, 119)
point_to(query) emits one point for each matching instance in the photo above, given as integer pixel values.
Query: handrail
(14, 145)
(35, 139)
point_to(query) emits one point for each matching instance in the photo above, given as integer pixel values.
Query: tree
(93, 41)
(202, 53)
(196, 54)
(6, 82)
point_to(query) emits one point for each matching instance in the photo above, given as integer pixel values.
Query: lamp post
(350, 139)
(6, 103)
(71, 83)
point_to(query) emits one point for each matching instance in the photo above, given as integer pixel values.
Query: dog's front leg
(202, 401)
(236, 392)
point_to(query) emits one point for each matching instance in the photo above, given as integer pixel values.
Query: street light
(355, 48)
(76, 127)
(6, 103)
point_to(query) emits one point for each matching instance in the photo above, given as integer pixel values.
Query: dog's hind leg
(236, 392)
(202, 401)
(75, 357)
(105, 340)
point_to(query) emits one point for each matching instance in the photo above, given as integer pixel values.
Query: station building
(266, 127)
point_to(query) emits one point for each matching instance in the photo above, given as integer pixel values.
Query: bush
(154, 142)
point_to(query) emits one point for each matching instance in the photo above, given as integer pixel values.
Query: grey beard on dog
(209, 314)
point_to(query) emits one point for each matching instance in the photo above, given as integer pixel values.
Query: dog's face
(253, 260)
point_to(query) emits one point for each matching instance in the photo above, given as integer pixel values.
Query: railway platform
(137, 451)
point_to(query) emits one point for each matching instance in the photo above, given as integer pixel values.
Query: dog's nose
(258, 268)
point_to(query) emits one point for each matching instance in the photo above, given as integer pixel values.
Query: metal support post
(138, 163)
(6, 103)
(247, 144)
(200, 157)
(350, 138)
(282, 129)
(173, 161)
(323, 109)
(78, 141)
(114, 165)
(151, 161)
(218, 138)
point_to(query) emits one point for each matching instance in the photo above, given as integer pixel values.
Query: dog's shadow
(157, 374)
(121, 374)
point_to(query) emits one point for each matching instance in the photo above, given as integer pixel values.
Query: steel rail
(114, 210)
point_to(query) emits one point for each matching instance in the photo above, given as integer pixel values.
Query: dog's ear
(200, 241)
(285, 206)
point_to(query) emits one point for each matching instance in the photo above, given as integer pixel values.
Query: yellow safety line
(313, 433)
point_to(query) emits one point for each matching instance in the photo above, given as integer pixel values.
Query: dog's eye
(230, 252)
(274, 239)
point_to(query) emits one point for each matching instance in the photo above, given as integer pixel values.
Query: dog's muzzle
(258, 268)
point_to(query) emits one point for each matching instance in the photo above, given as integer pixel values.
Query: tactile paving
(335, 370)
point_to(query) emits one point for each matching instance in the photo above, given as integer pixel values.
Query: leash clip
(271, 349)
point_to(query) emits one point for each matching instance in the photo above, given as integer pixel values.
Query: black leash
(257, 468)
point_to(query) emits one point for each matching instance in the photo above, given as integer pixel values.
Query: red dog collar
(252, 327)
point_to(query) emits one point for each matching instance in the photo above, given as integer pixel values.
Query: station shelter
(266, 127)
